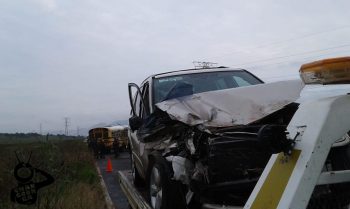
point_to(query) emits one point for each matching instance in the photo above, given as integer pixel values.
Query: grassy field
(76, 183)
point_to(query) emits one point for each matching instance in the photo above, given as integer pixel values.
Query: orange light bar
(327, 71)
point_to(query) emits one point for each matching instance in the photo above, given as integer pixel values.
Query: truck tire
(162, 191)
(137, 180)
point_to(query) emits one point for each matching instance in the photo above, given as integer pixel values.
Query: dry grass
(76, 183)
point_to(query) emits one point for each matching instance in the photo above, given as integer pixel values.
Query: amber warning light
(327, 71)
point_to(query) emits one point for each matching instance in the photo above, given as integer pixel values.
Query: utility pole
(78, 131)
(66, 125)
(41, 133)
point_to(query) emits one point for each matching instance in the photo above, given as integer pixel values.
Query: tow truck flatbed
(135, 196)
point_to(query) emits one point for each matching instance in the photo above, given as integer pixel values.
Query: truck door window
(137, 104)
(145, 94)
(136, 101)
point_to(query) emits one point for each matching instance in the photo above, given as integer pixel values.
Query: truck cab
(174, 84)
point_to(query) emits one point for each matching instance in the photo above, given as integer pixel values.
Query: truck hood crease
(230, 107)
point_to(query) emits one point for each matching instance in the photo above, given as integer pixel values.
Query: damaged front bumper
(223, 167)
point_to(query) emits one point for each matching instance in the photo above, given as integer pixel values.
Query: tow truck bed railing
(135, 198)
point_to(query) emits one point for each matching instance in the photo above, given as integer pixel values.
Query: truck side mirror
(135, 122)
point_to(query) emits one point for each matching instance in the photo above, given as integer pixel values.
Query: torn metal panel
(229, 107)
(182, 168)
(160, 144)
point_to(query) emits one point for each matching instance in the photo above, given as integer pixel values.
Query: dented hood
(230, 107)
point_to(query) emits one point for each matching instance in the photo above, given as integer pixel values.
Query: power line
(283, 41)
(293, 55)
(304, 36)
(303, 58)
(294, 60)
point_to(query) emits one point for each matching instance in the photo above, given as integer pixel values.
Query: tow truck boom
(288, 181)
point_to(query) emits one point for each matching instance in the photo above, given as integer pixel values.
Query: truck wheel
(137, 180)
(163, 192)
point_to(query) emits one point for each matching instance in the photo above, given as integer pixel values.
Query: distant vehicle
(120, 134)
(108, 136)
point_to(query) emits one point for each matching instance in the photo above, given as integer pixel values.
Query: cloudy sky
(74, 58)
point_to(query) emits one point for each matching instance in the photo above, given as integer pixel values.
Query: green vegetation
(76, 183)
(6, 138)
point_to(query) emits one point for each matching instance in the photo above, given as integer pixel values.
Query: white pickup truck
(209, 138)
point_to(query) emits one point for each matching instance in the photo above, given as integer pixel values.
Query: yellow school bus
(121, 134)
(108, 135)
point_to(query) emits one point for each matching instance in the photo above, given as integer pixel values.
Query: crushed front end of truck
(218, 150)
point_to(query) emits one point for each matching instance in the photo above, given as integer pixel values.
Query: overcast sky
(74, 58)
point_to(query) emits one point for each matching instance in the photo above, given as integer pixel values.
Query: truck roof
(196, 70)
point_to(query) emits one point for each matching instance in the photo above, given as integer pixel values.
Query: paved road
(122, 162)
